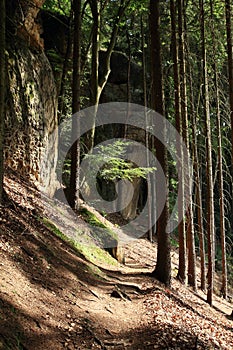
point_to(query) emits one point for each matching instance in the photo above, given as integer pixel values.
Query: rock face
(22, 21)
(116, 87)
(31, 117)
(31, 100)
(30, 26)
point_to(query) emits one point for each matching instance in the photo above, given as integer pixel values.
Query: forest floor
(51, 297)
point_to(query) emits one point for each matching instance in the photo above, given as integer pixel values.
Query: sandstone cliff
(31, 101)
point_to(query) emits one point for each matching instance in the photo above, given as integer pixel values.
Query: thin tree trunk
(199, 205)
(197, 178)
(97, 83)
(221, 199)
(75, 150)
(65, 68)
(230, 66)
(228, 12)
(182, 270)
(128, 84)
(129, 68)
(192, 280)
(2, 91)
(95, 89)
(147, 134)
(163, 265)
(209, 167)
(220, 164)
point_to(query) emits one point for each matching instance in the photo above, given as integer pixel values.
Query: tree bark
(220, 163)
(209, 167)
(163, 265)
(198, 187)
(182, 270)
(2, 90)
(147, 134)
(98, 83)
(185, 133)
(230, 60)
(75, 150)
(230, 63)
(196, 170)
(65, 68)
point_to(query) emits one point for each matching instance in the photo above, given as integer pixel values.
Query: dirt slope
(51, 297)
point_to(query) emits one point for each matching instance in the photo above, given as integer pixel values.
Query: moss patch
(103, 235)
(89, 250)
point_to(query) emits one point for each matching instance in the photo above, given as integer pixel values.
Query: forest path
(52, 298)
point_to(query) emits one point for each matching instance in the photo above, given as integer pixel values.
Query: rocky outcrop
(31, 100)
(31, 117)
(117, 85)
(23, 22)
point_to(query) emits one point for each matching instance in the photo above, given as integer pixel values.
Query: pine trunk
(196, 176)
(220, 164)
(228, 12)
(163, 265)
(2, 91)
(147, 134)
(209, 170)
(192, 280)
(230, 64)
(98, 83)
(75, 151)
(197, 180)
(182, 270)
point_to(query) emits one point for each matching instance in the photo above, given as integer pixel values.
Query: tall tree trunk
(163, 265)
(192, 280)
(65, 68)
(147, 134)
(94, 82)
(97, 83)
(182, 270)
(220, 164)
(196, 171)
(197, 180)
(228, 12)
(230, 65)
(75, 150)
(221, 192)
(209, 170)
(128, 83)
(2, 90)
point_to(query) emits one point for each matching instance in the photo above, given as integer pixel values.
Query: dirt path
(59, 303)
(52, 298)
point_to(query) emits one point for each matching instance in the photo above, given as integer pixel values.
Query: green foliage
(110, 162)
(62, 7)
(174, 241)
(116, 167)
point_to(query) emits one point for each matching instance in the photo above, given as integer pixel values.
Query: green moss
(96, 254)
(55, 230)
(90, 218)
(101, 233)
(89, 250)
